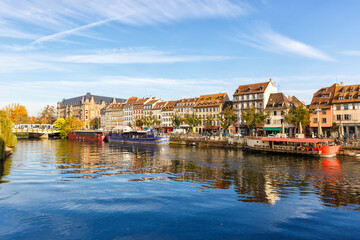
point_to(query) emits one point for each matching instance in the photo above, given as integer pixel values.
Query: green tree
(253, 118)
(209, 121)
(227, 118)
(176, 120)
(298, 115)
(7, 138)
(334, 127)
(47, 115)
(95, 123)
(151, 121)
(192, 120)
(139, 122)
(68, 125)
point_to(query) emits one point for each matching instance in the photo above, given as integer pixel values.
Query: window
(275, 113)
(354, 106)
(338, 107)
(315, 120)
(341, 98)
(347, 117)
(346, 107)
(324, 120)
(323, 112)
(350, 97)
(268, 121)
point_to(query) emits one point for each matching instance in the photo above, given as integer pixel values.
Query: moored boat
(305, 146)
(87, 135)
(139, 137)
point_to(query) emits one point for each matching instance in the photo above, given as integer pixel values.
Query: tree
(192, 120)
(298, 115)
(95, 123)
(150, 120)
(253, 118)
(139, 122)
(47, 115)
(334, 127)
(176, 120)
(17, 113)
(209, 121)
(7, 138)
(68, 125)
(227, 118)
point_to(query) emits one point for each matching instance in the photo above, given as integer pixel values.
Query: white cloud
(137, 55)
(269, 40)
(351, 53)
(63, 18)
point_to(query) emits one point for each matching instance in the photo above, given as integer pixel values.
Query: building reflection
(261, 178)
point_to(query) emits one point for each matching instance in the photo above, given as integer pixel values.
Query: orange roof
(350, 94)
(169, 106)
(116, 106)
(323, 98)
(159, 105)
(151, 102)
(251, 88)
(211, 100)
(186, 102)
(131, 100)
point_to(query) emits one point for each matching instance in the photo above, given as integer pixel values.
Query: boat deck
(284, 150)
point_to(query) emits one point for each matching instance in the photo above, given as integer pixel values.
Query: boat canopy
(297, 140)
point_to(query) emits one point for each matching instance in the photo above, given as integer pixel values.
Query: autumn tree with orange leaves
(47, 115)
(17, 113)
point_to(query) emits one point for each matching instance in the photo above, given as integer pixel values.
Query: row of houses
(337, 103)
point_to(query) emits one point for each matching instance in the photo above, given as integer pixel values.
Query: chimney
(341, 84)
(271, 80)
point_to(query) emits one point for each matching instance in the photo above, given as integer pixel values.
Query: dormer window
(343, 90)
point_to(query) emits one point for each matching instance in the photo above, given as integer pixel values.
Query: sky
(172, 49)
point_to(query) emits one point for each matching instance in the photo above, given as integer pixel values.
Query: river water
(60, 189)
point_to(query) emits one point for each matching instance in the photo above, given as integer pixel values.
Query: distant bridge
(36, 130)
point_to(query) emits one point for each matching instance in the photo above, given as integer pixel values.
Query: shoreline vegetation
(7, 138)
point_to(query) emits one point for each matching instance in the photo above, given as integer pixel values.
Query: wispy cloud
(63, 18)
(137, 55)
(19, 62)
(351, 52)
(269, 40)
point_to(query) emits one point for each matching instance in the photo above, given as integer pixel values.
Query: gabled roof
(323, 98)
(169, 106)
(252, 88)
(349, 93)
(278, 100)
(159, 105)
(131, 101)
(151, 102)
(211, 100)
(76, 101)
(295, 101)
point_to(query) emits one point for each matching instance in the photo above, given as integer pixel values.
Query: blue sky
(173, 49)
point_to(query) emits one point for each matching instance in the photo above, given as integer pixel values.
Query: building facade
(185, 106)
(85, 108)
(207, 108)
(128, 111)
(256, 95)
(166, 113)
(113, 116)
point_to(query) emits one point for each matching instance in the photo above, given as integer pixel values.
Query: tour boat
(139, 137)
(306, 146)
(87, 135)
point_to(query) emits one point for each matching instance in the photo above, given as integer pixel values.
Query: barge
(87, 135)
(139, 137)
(303, 146)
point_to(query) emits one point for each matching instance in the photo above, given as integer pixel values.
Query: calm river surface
(59, 189)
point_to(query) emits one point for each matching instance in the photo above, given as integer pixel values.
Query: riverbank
(224, 142)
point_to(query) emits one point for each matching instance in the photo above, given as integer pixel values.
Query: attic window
(249, 89)
(261, 87)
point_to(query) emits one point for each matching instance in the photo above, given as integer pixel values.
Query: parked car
(271, 135)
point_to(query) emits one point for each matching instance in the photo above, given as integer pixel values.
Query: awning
(214, 128)
(272, 129)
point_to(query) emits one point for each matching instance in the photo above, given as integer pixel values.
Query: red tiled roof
(211, 100)
(169, 106)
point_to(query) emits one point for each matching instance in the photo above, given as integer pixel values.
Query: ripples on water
(76, 190)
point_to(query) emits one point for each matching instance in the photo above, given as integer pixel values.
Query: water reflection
(258, 178)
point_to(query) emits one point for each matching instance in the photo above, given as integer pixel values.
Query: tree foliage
(209, 121)
(68, 125)
(334, 127)
(298, 115)
(176, 120)
(139, 122)
(95, 123)
(17, 113)
(151, 120)
(227, 118)
(192, 120)
(253, 118)
(47, 115)
(7, 138)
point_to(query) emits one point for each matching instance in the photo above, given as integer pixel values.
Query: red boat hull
(86, 138)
